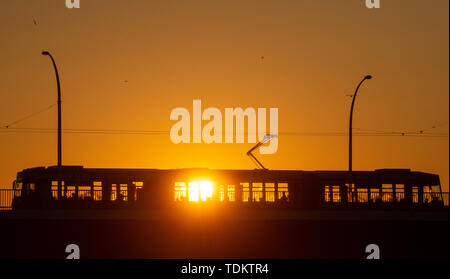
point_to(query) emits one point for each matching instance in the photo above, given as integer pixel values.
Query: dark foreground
(200, 234)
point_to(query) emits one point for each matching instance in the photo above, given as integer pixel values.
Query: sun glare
(200, 190)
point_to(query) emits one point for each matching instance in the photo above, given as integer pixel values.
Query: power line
(162, 132)
(83, 131)
(28, 116)
(416, 132)
(364, 132)
(434, 127)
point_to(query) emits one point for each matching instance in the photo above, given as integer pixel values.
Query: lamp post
(46, 53)
(350, 138)
(351, 127)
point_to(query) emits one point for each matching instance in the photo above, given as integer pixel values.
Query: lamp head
(45, 53)
(368, 77)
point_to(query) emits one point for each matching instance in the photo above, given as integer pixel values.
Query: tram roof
(332, 176)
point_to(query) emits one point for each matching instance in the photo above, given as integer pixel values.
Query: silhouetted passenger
(435, 201)
(131, 192)
(119, 196)
(284, 198)
(138, 193)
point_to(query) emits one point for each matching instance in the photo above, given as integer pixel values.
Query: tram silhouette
(76, 187)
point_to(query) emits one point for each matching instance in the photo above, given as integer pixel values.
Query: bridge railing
(389, 197)
(429, 197)
(6, 197)
(82, 194)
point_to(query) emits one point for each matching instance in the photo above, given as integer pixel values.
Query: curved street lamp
(351, 127)
(46, 53)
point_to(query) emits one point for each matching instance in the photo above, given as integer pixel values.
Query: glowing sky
(126, 64)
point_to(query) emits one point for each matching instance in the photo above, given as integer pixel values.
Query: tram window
(123, 188)
(97, 187)
(270, 192)
(427, 194)
(436, 193)
(55, 189)
(138, 186)
(415, 194)
(257, 192)
(84, 192)
(327, 194)
(194, 191)
(386, 190)
(180, 191)
(32, 187)
(119, 192)
(70, 192)
(336, 194)
(55, 192)
(399, 192)
(221, 193)
(363, 195)
(18, 189)
(374, 194)
(113, 192)
(231, 193)
(283, 190)
(245, 191)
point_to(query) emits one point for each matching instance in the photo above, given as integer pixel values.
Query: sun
(200, 190)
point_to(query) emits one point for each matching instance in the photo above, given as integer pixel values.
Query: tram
(76, 187)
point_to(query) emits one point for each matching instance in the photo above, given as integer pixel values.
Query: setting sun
(200, 190)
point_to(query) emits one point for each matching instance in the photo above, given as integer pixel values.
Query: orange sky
(171, 52)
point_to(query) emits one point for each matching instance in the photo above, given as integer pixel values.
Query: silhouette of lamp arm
(351, 120)
(46, 53)
(263, 141)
